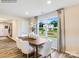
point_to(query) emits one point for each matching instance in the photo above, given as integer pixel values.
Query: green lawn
(51, 33)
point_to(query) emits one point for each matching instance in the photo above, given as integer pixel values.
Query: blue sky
(54, 18)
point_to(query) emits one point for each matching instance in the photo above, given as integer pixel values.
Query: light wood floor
(8, 49)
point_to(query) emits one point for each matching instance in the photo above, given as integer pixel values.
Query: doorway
(48, 29)
(53, 28)
(5, 29)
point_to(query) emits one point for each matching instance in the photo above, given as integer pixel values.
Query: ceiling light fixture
(26, 13)
(49, 2)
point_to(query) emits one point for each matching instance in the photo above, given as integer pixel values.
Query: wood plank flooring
(8, 49)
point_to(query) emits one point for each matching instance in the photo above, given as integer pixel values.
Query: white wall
(23, 27)
(48, 15)
(19, 25)
(72, 29)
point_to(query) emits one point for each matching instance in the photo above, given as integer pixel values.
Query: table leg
(36, 51)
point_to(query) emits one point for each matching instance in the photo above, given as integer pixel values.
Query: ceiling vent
(8, 1)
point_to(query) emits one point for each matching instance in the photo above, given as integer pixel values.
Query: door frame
(61, 41)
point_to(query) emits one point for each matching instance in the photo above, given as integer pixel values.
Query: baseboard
(72, 54)
(3, 36)
(10, 38)
(54, 48)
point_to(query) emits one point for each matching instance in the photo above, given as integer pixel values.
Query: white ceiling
(34, 7)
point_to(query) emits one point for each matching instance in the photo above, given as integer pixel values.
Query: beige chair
(26, 48)
(19, 43)
(45, 51)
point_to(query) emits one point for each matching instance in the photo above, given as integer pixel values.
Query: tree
(54, 23)
(41, 24)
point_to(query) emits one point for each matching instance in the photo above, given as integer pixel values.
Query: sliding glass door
(51, 27)
(48, 29)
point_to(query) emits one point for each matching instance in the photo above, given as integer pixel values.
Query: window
(48, 27)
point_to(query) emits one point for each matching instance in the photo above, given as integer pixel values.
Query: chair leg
(22, 54)
(27, 56)
(50, 55)
(35, 55)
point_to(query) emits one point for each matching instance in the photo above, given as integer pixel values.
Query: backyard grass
(51, 33)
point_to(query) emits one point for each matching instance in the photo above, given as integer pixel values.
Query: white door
(3, 30)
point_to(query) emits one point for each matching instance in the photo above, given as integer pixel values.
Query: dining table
(35, 42)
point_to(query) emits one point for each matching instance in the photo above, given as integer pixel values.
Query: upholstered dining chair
(19, 43)
(27, 49)
(45, 51)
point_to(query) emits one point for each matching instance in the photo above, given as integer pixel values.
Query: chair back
(46, 50)
(26, 48)
(19, 43)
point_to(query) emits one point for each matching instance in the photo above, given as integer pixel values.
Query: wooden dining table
(35, 42)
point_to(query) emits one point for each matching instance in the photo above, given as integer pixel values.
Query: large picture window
(48, 27)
